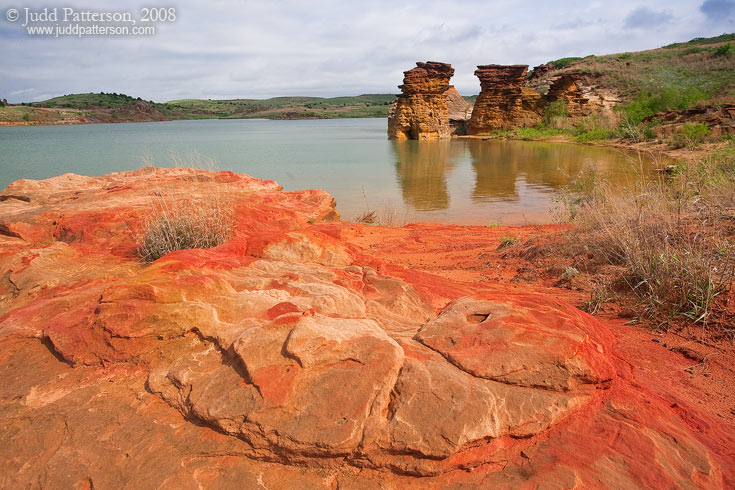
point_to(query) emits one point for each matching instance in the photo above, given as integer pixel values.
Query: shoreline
(650, 147)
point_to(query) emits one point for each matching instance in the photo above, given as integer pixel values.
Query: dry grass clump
(179, 221)
(672, 236)
(386, 215)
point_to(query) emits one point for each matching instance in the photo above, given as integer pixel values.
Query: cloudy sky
(264, 48)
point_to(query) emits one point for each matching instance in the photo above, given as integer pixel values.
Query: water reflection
(422, 168)
(500, 165)
(504, 171)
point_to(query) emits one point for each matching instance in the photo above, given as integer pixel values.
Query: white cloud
(242, 48)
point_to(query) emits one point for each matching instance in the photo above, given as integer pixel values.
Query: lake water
(457, 181)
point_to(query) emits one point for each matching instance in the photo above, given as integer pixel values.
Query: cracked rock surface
(288, 357)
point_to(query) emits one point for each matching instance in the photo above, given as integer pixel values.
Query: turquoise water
(457, 181)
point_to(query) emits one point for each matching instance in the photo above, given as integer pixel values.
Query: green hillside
(703, 66)
(367, 105)
(87, 101)
(101, 106)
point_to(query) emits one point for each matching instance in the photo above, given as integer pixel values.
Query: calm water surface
(457, 181)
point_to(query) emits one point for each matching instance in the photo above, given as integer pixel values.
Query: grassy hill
(638, 86)
(366, 105)
(87, 101)
(112, 107)
(702, 69)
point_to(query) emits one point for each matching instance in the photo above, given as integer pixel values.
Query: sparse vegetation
(670, 237)
(594, 135)
(676, 77)
(178, 222)
(690, 135)
(599, 295)
(368, 217)
(508, 241)
(564, 62)
(555, 115)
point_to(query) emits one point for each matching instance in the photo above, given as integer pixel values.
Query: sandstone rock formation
(459, 110)
(421, 112)
(566, 88)
(500, 104)
(290, 357)
(720, 120)
(505, 103)
(540, 71)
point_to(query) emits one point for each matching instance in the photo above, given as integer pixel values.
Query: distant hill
(113, 107)
(366, 105)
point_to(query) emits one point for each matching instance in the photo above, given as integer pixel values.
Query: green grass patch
(690, 135)
(673, 98)
(594, 135)
(564, 62)
(703, 40)
(537, 133)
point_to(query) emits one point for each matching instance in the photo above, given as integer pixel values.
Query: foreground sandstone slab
(289, 357)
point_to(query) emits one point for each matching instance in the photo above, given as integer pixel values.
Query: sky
(222, 49)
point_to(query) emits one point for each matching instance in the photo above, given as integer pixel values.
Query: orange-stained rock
(421, 111)
(500, 104)
(489, 339)
(566, 88)
(297, 355)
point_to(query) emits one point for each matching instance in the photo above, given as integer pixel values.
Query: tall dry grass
(180, 220)
(673, 236)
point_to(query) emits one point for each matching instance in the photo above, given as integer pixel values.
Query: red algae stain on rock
(297, 356)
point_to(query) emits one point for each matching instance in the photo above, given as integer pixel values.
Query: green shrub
(724, 50)
(26, 117)
(674, 98)
(690, 135)
(564, 62)
(554, 114)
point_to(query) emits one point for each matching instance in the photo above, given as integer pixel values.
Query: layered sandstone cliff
(500, 104)
(567, 89)
(719, 119)
(421, 111)
(506, 103)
